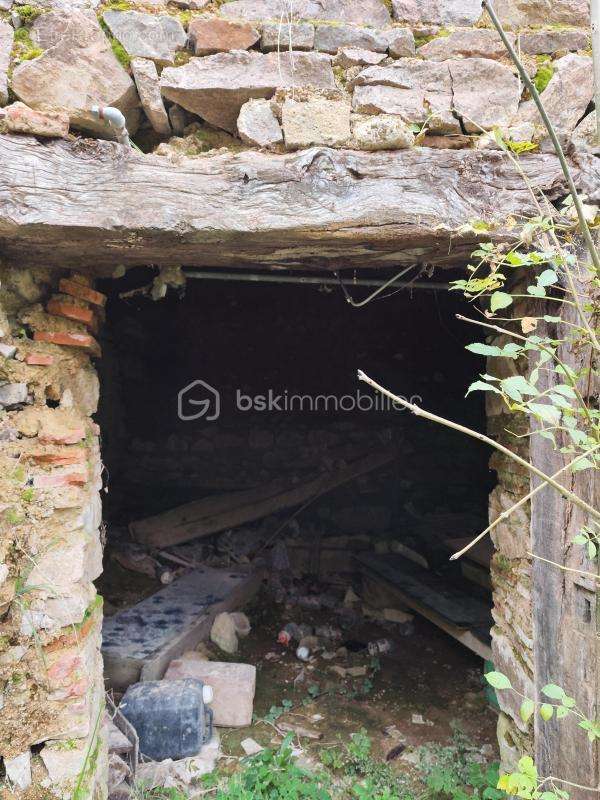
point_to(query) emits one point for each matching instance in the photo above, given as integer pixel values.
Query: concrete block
(140, 642)
(233, 686)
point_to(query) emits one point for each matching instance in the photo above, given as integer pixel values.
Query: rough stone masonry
(224, 88)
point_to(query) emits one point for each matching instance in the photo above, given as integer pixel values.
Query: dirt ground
(414, 696)
(428, 674)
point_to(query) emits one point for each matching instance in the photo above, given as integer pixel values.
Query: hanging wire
(360, 303)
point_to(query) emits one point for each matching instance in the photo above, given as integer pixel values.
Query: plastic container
(171, 718)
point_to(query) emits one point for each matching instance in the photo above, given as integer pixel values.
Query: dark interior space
(297, 350)
(300, 345)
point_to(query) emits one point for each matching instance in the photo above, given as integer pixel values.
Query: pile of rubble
(251, 73)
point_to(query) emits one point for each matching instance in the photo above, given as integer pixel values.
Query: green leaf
(480, 386)
(549, 318)
(498, 680)
(546, 711)
(526, 710)
(582, 463)
(553, 691)
(500, 300)
(566, 391)
(511, 350)
(484, 349)
(547, 278)
(545, 412)
(537, 291)
(517, 385)
(561, 712)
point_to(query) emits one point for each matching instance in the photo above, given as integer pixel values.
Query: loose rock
(147, 82)
(63, 764)
(330, 38)
(552, 41)
(401, 42)
(355, 57)
(382, 132)
(517, 14)
(216, 87)
(486, 93)
(6, 42)
(181, 773)
(586, 132)
(416, 90)
(18, 770)
(257, 124)
(567, 96)
(76, 72)
(241, 623)
(251, 747)
(437, 12)
(7, 351)
(318, 121)
(210, 36)
(287, 35)
(12, 394)
(155, 36)
(19, 118)
(118, 771)
(223, 633)
(367, 12)
(470, 42)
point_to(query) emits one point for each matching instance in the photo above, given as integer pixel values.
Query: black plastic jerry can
(171, 718)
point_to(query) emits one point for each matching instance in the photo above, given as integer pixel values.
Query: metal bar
(254, 277)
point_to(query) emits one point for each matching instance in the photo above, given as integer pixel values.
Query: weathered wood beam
(90, 204)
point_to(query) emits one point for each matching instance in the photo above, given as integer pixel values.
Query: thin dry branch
(421, 412)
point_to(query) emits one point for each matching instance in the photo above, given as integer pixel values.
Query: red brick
(60, 459)
(66, 339)
(61, 479)
(68, 437)
(79, 277)
(81, 292)
(39, 359)
(70, 311)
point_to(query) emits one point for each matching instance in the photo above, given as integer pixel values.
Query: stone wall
(512, 635)
(51, 685)
(194, 75)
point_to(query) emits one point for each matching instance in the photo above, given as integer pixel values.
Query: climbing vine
(552, 268)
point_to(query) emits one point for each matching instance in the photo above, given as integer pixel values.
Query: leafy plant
(273, 775)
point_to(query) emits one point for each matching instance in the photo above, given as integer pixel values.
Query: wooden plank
(214, 514)
(477, 640)
(565, 604)
(92, 204)
(139, 643)
(437, 593)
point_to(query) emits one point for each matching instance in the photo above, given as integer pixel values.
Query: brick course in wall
(51, 684)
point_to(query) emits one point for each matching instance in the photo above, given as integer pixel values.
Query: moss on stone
(23, 47)
(544, 72)
(121, 54)
(182, 57)
(28, 13)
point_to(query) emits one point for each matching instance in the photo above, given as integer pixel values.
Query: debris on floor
(211, 515)
(140, 641)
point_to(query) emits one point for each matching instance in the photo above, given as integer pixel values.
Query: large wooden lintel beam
(93, 205)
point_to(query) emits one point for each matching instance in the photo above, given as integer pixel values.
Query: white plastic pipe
(115, 120)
